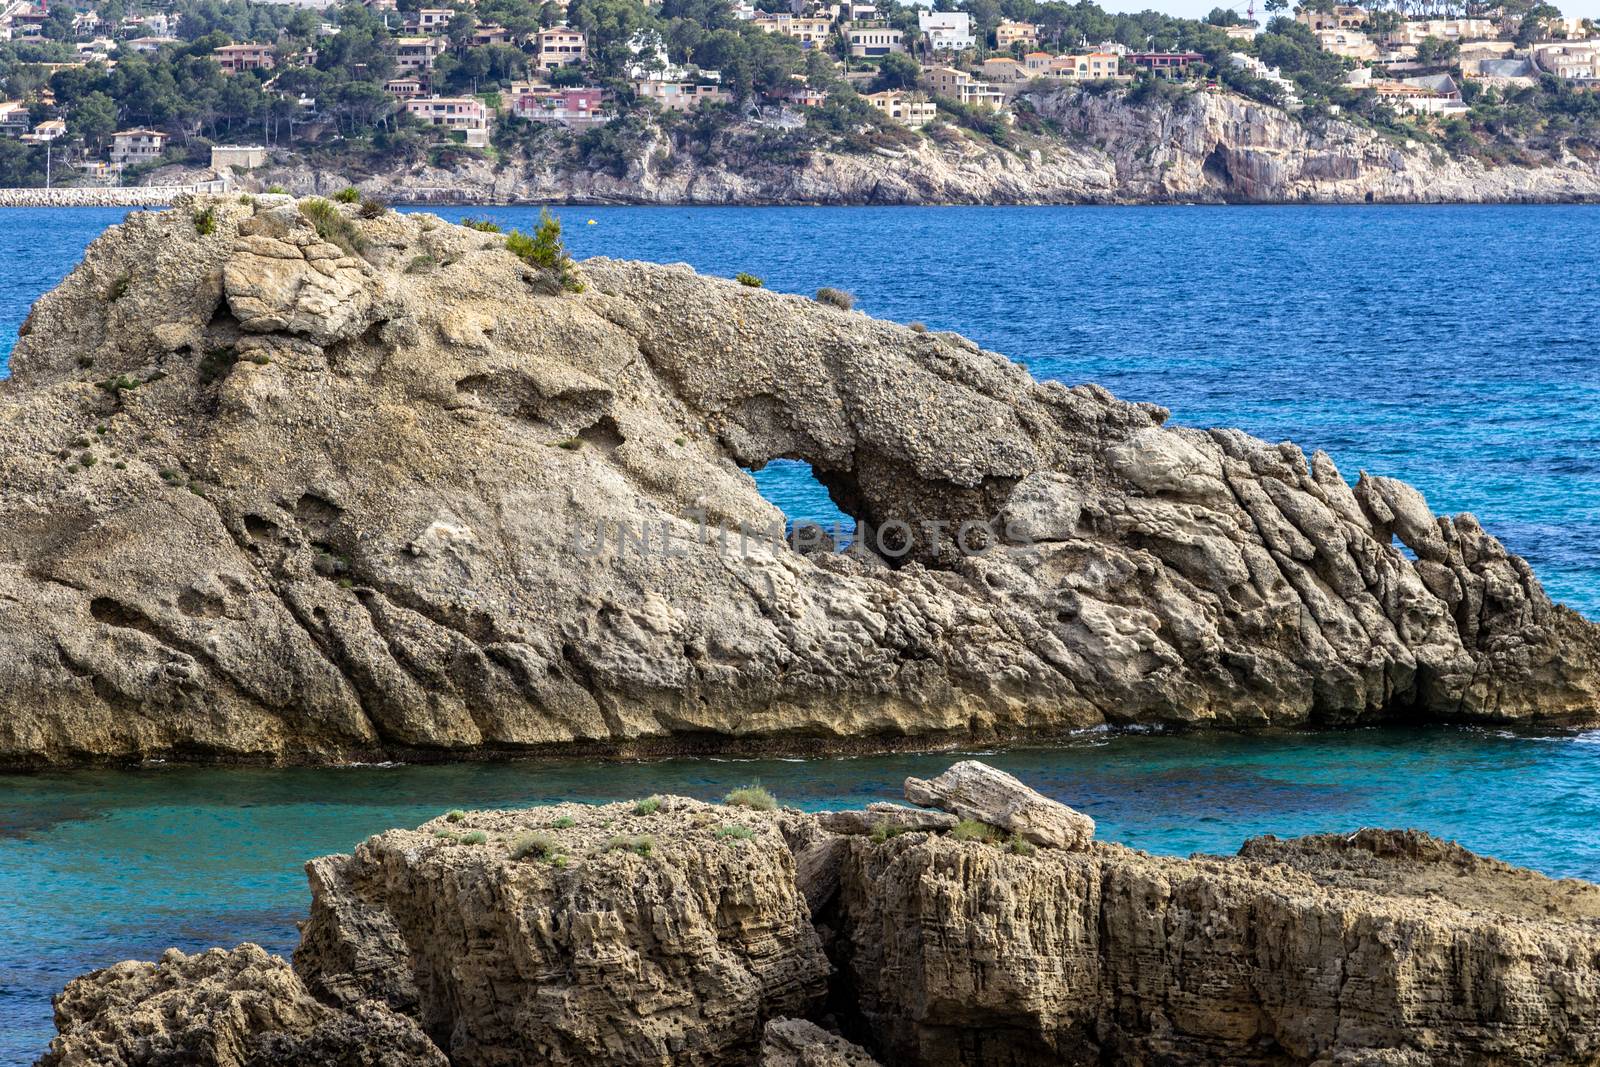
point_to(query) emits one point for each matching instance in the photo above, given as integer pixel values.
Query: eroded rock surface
(973, 790)
(265, 498)
(963, 954)
(614, 937)
(677, 932)
(242, 1008)
(798, 1043)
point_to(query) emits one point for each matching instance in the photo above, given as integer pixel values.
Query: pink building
(458, 114)
(579, 107)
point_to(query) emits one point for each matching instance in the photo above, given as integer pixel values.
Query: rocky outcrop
(967, 954)
(275, 494)
(973, 790)
(676, 932)
(1208, 147)
(798, 1043)
(572, 935)
(242, 1008)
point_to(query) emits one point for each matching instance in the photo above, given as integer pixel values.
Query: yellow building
(810, 31)
(904, 108)
(1090, 66)
(1342, 17)
(1012, 33)
(1005, 70)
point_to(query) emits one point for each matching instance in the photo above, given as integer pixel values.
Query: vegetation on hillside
(326, 97)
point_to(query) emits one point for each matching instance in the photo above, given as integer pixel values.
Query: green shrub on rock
(348, 195)
(331, 225)
(639, 844)
(836, 298)
(543, 249)
(745, 278)
(751, 796)
(538, 845)
(973, 830)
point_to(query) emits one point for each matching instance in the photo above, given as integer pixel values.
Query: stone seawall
(95, 196)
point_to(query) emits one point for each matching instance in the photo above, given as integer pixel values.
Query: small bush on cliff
(753, 797)
(640, 844)
(373, 208)
(1019, 847)
(482, 225)
(837, 298)
(332, 226)
(647, 806)
(883, 832)
(973, 830)
(205, 222)
(544, 250)
(477, 837)
(348, 195)
(277, 189)
(539, 846)
(745, 278)
(454, 816)
(735, 833)
(563, 823)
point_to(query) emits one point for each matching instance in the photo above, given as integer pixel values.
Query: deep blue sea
(1453, 347)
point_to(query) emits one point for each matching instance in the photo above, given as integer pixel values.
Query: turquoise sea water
(1452, 347)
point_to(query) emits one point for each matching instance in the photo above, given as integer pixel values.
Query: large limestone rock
(242, 1008)
(1376, 948)
(681, 933)
(264, 499)
(613, 937)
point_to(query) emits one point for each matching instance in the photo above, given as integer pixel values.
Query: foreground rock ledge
(677, 932)
(270, 497)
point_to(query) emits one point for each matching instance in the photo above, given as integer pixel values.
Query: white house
(947, 31)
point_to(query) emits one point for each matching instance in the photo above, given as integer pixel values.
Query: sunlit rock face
(276, 492)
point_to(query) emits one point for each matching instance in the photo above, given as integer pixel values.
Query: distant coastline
(1205, 148)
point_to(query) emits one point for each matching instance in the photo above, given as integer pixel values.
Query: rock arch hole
(793, 487)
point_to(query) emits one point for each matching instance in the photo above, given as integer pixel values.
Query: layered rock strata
(312, 487)
(671, 931)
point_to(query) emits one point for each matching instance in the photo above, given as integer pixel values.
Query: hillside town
(109, 93)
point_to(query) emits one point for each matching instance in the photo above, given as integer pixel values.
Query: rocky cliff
(278, 492)
(1210, 147)
(675, 932)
